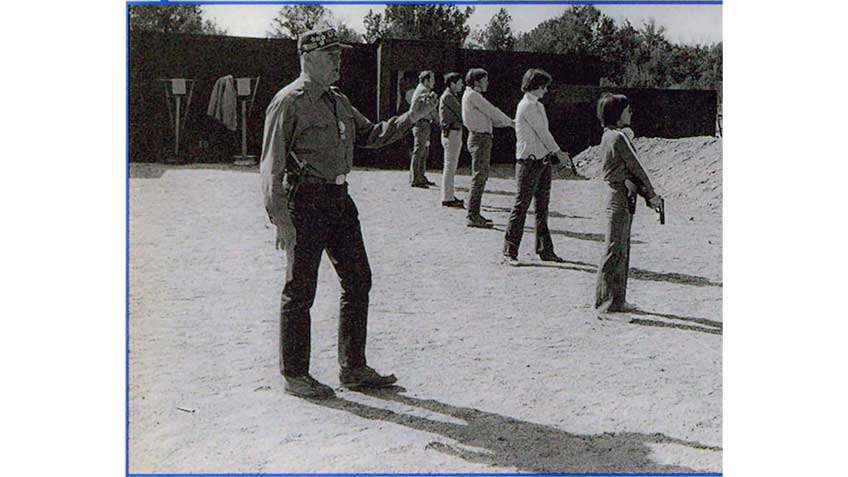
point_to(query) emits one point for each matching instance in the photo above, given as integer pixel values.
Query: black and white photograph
(424, 238)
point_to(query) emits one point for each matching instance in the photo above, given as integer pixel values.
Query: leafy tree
(497, 35)
(571, 32)
(421, 22)
(294, 20)
(172, 19)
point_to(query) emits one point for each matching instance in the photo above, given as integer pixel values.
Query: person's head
(478, 79)
(453, 82)
(614, 110)
(320, 55)
(427, 78)
(536, 82)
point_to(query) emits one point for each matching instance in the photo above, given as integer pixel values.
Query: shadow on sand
(635, 273)
(492, 439)
(551, 213)
(567, 233)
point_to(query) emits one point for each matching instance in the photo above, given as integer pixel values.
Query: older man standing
(307, 152)
(421, 134)
(479, 116)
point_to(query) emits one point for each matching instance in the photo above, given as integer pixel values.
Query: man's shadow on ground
(492, 439)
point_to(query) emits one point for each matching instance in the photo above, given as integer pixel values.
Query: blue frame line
(434, 2)
(127, 255)
(127, 231)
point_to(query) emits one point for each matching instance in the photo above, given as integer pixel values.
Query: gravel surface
(502, 369)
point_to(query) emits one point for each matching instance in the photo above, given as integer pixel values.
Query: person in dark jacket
(624, 179)
(450, 119)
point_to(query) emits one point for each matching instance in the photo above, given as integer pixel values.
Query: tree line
(631, 56)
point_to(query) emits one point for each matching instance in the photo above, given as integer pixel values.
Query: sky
(688, 24)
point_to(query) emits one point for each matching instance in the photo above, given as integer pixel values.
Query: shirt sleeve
(449, 118)
(276, 141)
(444, 119)
(374, 136)
(499, 119)
(624, 150)
(543, 127)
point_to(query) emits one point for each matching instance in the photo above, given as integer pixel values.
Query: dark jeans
(611, 286)
(534, 182)
(480, 148)
(325, 218)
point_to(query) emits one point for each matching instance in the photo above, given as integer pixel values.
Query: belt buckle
(340, 179)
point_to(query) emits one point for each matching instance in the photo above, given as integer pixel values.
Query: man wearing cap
(479, 116)
(421, 134)
(307, 151)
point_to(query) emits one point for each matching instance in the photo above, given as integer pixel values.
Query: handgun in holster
(295, 170)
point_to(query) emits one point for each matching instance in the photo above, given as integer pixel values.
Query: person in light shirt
(535, 152)
(479, 116)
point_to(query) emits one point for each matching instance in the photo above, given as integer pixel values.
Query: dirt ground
(501, 369)
(686, 170)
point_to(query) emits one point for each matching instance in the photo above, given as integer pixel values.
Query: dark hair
(451, 78)
(425, 74)
(474, 75)
(610, 107)
(535, 78)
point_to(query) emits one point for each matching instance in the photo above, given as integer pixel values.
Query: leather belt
(338, 180)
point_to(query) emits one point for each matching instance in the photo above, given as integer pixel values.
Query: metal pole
(177, 130)
(244, 129)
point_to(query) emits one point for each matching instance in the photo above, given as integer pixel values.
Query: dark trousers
(325, 218)
(480, 148)
(611, 288)
(534, 183)
(420, 152)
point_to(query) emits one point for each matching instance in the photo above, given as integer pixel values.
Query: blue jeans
(534, 182)
(480, 148)
(611, 286)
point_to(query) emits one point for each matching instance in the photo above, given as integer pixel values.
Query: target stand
(177, 90)
(246, 93)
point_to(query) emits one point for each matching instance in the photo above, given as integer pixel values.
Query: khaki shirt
(320, 127)
(419, 91)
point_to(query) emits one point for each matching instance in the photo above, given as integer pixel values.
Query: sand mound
(685, 171)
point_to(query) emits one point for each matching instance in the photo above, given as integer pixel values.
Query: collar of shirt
(530, 97)
(313, 89)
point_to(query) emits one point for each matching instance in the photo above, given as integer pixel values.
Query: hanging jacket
(222, 102)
